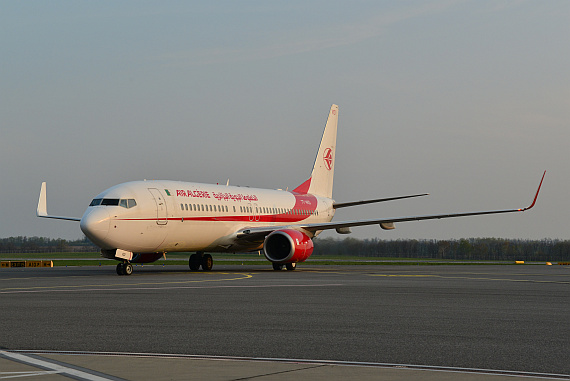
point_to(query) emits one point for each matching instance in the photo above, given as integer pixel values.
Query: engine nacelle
(287, 246)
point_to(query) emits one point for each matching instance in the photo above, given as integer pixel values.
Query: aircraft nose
(95, 224)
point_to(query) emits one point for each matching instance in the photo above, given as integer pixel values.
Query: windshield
(123, 202)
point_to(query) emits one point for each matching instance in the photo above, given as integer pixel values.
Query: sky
(466, 100)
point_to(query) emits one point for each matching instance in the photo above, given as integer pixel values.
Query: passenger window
(186, 206)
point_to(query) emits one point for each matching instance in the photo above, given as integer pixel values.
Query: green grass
(252, 259)
(95, 259)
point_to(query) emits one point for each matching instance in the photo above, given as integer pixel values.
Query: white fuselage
(168, 216)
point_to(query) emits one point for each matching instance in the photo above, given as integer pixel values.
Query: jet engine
(287, 246)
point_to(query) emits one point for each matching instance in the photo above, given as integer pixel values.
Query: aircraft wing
(385, 223)
(42, 207)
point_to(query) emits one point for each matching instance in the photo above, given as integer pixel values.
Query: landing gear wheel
(127, 269)
(277, 266)
(207, 262)
(291, 266)
(124, 268)
(194, 262)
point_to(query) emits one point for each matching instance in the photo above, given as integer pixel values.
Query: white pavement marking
(132, 288)
(48, 365)
(6, 375)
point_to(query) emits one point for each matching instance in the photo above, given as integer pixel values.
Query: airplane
(140, 221)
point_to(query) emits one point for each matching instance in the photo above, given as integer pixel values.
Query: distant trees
(497, 249)
(44, 245)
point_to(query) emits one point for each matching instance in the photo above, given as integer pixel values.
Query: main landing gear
(288, 266)
(201, 260)
(124, 268)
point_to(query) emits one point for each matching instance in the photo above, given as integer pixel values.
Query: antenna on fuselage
(228, 183)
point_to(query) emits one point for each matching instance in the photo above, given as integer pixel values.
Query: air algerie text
(219, 196)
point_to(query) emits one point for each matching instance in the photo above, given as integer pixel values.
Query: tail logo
(328, 158)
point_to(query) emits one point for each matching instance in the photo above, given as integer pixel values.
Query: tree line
(495, 249)
(45, 245)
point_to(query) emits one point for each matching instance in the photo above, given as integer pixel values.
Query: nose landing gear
(124, 268)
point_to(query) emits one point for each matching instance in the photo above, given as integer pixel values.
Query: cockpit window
(110, 201)
(125, 203)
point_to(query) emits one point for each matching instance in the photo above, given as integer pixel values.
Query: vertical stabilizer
(321, 181)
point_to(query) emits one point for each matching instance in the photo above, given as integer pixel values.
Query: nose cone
(95, 224)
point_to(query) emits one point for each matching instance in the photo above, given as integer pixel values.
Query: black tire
(120, 269)
(207, 262)
(127, 269)
(277, 267)
(291, 266)
(194, 262)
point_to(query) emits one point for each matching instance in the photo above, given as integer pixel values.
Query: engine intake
(287, 246)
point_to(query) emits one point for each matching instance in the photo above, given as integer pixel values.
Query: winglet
(42, 203)
(536, 196)
(41, 211)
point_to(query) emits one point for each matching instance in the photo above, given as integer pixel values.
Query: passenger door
(161, 211)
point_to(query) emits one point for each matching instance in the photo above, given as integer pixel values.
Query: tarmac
(249, 322)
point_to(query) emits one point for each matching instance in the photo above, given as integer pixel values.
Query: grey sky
(466, 100)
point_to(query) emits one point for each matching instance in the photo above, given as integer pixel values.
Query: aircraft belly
(198, 236)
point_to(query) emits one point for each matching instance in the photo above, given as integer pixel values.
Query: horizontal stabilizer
(338, 205)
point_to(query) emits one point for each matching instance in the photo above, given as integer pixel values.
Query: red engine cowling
(287, 246)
